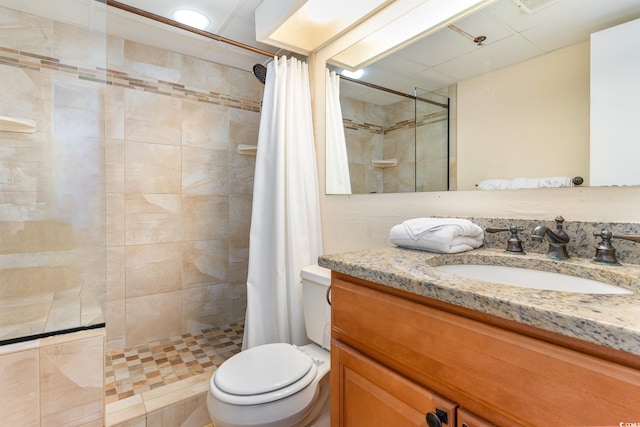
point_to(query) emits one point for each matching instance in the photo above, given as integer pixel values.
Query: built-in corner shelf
(247, 150)
(389, 163)
(12, 124)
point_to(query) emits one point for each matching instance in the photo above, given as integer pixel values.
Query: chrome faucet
(557, 239)
(605, 252)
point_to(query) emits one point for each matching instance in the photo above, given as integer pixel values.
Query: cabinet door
(467, 419)
(505, 377)
(365, 393)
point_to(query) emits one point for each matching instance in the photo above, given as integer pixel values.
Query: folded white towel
(517, 183)
(442, 235)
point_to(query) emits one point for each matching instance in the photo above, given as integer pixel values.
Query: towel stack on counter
(441, 235)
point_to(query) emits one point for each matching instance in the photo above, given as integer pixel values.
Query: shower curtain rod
(143, 13)
(171, 22)
(395, 92)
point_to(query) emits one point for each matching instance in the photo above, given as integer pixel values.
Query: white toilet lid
(262, 369)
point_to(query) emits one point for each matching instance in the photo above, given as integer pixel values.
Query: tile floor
(135, 370)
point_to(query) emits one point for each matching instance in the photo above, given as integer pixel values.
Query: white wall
(530, 120)
(615, 100)
(363, 221)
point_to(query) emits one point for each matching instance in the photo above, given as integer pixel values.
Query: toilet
(280, 384)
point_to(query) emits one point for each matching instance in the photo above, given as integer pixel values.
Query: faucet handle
(514, 244)
(629, 237)
(559, 230)
(605, 252)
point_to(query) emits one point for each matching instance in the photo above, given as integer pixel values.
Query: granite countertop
(611, 320)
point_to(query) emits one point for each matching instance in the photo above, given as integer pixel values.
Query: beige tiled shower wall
(178, 193)
(130, 186)
(52, 222)
(364, 135)
(55, 381)
(158, 132)
(399, 144)
(52, 196)
(375, 132)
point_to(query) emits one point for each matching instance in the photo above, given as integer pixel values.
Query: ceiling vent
(531, 6)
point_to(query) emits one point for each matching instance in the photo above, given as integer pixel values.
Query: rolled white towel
(441, 235)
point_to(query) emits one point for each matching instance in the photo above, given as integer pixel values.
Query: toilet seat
(263, 374)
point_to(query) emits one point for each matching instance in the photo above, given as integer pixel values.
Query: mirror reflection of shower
(395, 142)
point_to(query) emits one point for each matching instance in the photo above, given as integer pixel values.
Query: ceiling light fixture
(303, 26)
(191, 18)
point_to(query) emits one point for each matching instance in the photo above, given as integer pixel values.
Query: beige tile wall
(131, 183)
(52, 181)
(364, 134)
(180, 404)
(55, 381)
(178, 193)
(389, 132)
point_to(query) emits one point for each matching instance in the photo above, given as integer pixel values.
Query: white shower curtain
(337, 164)
(285, 222)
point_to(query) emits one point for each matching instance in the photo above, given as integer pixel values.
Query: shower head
(260, 71)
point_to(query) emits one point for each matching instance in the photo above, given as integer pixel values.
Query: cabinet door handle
(437, 418)
(329, 295)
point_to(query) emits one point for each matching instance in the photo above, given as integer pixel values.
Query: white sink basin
(532, 279)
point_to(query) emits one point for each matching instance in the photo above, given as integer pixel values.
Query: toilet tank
(317, 312)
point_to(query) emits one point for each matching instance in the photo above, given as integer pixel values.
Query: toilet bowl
(279, 384)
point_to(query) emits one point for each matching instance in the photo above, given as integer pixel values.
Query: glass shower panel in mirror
(431, 141)
(395, 142)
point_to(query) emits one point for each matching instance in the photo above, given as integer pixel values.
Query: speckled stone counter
(606, 319)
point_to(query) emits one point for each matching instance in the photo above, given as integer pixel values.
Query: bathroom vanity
(413, 345)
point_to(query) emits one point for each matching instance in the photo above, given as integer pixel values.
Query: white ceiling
(512, 35)
(231, 19)
(432, 63)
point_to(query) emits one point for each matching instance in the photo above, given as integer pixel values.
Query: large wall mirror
(516, 79)
(394, 143)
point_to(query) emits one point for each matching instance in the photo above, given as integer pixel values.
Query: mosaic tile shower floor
(137, 369)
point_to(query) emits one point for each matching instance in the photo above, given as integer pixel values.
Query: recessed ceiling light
(191, 18)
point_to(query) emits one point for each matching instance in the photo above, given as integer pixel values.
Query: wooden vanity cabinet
(467, 419)
(397, 356)
(373, 395)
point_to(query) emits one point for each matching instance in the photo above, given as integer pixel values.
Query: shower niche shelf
(12, 124)
(247, 150)
(389, 163)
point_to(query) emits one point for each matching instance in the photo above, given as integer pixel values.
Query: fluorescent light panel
(315, 22)
(419, 22)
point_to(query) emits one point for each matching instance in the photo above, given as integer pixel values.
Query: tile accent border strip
(405, 124)
(35, 62)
